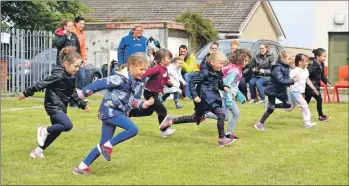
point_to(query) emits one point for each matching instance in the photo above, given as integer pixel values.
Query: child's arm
(56, 75)
(151, 72)
(141, 104)
(323, 77)
(110, 82)
(277, 73)
(196, 80)
(168, 81)
(240, 96)
(81, 103)
(310, 84)
(221, 85)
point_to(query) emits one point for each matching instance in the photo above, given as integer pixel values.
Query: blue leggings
(108, 129)
(60, 123)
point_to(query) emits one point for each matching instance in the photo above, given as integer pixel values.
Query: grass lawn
(286, 153)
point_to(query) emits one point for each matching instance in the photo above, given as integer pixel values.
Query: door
(337, 53)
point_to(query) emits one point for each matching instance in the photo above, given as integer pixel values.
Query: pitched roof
(226, 15)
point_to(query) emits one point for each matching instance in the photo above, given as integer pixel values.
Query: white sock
(108, 144)
(39, 150)
(82, 166)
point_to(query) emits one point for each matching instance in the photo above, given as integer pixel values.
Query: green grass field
(284, 154)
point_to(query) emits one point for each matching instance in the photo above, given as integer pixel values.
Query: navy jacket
(206, 84)
(122, 93)
(280, 79)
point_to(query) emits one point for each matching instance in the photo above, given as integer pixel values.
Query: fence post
(22, 61)
(50, 48)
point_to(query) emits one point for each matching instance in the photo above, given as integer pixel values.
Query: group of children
(214, 90)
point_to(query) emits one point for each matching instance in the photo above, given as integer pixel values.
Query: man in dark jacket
(65, 37)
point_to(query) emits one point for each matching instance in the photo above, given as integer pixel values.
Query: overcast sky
(295, 19)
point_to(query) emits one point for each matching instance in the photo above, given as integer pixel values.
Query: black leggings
(318, 99)
(271, 106)
(196, 117)
(60, 123)
(158, 107)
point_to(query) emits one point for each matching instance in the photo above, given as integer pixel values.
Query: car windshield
(224, 46)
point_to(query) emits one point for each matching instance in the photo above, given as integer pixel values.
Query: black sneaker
(203, 118)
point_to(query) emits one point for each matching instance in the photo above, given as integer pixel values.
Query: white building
(330, 31)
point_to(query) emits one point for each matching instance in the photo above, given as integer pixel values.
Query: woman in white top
(298, 88)
(174, 70)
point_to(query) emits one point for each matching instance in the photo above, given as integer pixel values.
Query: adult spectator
(261, 71)
(65, 37)
(213, 47)
(134, 42)
(78, 30)
(189, 67)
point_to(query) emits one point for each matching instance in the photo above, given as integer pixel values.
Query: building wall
(99, 42)
(323, 21)
(260, 26)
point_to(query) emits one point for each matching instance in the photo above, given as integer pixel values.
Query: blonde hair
(217, 56)
(235, 42)
(177, 59)
(284, 54)
(134, 61)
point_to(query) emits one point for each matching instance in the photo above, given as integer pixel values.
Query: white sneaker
(168, 132)
(309, 125)
(261, 101)
(42, 135)
(252, 101)
(35, 155)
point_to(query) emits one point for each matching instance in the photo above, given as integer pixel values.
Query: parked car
(16, 69)
(46, 60)
(253, 45)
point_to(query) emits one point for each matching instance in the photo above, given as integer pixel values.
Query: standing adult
(65, 37)
(78, 30)
(214, 47)
(134, 42)
(189, 67)
(261, 71)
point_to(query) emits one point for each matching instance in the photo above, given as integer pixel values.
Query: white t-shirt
(303, 74)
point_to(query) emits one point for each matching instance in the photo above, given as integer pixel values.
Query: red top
(158, 77)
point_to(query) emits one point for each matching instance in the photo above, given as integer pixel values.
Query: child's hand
(295, 78)
(226, 89)
(316, 92)
(87, 108)
(21, 96)
(80, 94)
(197, 99)
(328, 84)
(150, 101)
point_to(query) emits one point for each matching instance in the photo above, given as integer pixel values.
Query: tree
(200, 30)
(40, 15)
